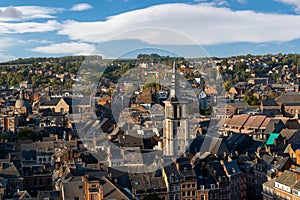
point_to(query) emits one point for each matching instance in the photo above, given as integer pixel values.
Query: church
(176, 125)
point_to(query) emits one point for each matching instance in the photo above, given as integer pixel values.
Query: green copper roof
(272, 138)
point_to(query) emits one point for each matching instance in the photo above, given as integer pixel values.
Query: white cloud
(217, 3)
(75, 48)
(81, 7)
(4, 57)
(6, 42)
(40, 41)
(206, 24)
(10, 13)
(27, 12)
(29, 27)
(295, 3)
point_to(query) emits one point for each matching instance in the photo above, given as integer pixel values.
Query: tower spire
(176, 127)
(174, 84)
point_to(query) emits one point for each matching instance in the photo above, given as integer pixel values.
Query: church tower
(175, 133)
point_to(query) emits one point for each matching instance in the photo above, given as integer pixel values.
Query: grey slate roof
(8, 170)
(269, 102)
(232, 167)
(49, 102)
(71, 190)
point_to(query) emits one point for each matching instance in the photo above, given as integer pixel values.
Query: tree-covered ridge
(64, 59)
(61, 72)
(39, 72)
(239, 68)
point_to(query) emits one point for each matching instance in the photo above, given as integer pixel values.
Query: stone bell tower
(176, 128)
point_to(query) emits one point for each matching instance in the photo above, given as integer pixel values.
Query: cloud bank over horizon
(200, 23)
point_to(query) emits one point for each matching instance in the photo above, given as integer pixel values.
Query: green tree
(27, 134)
(250, 99)
(3, 137)
(152, 197)
(227, 84)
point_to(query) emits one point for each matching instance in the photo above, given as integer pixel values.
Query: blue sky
(114, 28)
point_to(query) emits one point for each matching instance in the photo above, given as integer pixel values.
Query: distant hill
(64, 59)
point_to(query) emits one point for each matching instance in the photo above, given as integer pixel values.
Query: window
(171, 188)
(202, 197)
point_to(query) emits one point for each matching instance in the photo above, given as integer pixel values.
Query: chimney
(297, 176)
(258, 152)
(83, 178)
(1, 165)
(297, 152)
(215, 172)
(200, 130)
(236, 153)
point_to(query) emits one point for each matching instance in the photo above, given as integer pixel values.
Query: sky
(124, 28)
